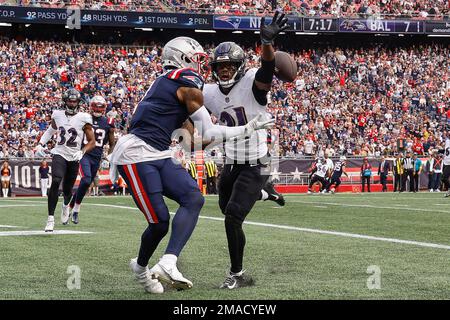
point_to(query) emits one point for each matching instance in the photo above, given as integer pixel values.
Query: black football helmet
(72, 100)
(228, 52)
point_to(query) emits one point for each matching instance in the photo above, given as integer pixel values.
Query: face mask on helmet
(72, 100)
(228, 64)
(98, 106)
(185, 52)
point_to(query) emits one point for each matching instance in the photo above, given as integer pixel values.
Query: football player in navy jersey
(144, 159)
(90, 163)
(339, 169)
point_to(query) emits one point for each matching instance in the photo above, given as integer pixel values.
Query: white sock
(139, 268)
(51, 218)
(264, 195)
(76, 207)
(240, 273)
(169, 259)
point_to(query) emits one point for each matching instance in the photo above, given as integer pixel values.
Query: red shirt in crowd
(64, 76)
(362, 120)
(418, 147)
(29, 112)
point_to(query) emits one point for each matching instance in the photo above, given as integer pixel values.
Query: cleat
(171, 276)
(274, 195)
(309, 192)
(65, 214)
(75, 217)
(50, 225)
(447, 194)
(237, 280)
(146, 278)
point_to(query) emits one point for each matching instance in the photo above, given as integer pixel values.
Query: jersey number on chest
(99, 137)
(235, 117)
(67, 137)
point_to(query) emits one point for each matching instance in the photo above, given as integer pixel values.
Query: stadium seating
(421, 8)
(345, 101)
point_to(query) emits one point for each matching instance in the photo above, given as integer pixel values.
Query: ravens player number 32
(69, 125)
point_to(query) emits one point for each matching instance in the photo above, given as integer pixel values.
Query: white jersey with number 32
(236, 109)
(70, 133)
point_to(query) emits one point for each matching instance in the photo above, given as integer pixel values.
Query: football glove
(268, 32)
(78, 155)
(258, 123)
(40, 151)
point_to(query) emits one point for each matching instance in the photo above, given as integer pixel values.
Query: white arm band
(209, 131)
(48, 134)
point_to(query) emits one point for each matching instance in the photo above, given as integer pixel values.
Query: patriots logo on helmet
(234, 21)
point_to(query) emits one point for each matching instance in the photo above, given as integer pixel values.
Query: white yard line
(9, 227)
(318, 231)
(40, 233)
(334, 233)
(16, 205)
(368, 206)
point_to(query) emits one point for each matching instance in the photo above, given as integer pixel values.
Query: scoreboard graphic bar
(63, 16)
(381, 26)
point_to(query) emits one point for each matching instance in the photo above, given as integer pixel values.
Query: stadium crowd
(343, 8)
(345, 101)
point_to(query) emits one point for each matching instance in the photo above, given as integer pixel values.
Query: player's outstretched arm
(48, 134)
(264, 75)
(192, 98)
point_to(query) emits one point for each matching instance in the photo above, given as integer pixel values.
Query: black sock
(53, 198)
(236, 242)
(150, 239)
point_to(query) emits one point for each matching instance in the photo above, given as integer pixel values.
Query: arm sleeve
(209, 131)
(48, 134)
(264, 75)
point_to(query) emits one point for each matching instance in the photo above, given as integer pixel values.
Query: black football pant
(315, 178)
(62, 171)
(239, 188)
(446, 176)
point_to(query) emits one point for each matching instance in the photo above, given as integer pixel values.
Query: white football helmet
(342, 158)
(98, 106)
(184, 52)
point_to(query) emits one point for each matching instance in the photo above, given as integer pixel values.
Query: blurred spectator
(366, 174)
(397, 8)
(345, 101)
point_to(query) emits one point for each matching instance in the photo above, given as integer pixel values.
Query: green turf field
(290, 253)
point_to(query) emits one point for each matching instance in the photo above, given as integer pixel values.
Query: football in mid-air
(285, 66)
